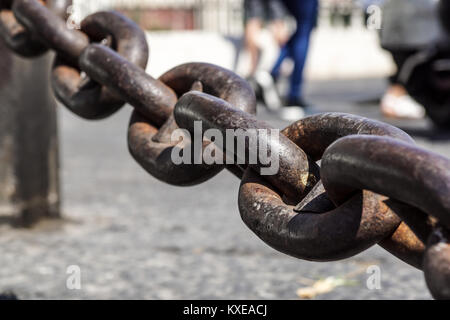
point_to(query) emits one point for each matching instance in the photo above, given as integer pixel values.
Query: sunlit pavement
(136, 238)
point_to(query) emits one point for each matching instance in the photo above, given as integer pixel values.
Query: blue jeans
(305, 13)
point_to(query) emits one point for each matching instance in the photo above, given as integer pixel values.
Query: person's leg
(279, 32)
(276, 13)
(396, 103)
(305, 13)
(254, 16)
(284, 53)
(252, 31)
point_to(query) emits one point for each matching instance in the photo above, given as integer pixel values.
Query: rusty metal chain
(373, 186)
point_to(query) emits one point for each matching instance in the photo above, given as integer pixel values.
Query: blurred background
(212, 30)
(134, 237)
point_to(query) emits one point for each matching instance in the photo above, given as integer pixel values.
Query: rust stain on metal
(152, 147)
(367, 193)
(437, 264)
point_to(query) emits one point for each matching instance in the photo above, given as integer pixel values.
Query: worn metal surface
(391, 167)
(152, 125)
(388, 167)
(87, 98)
(296, 172)
(314, 134)
(16, 36)
(138, 238)
(437, 264)
(153, 148)
(311, 230)
(336, 218)
(53, 31)
(128, 81)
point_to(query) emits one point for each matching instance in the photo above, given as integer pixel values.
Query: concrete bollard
(29, 164)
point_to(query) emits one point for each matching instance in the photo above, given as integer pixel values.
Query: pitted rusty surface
(317, 230)
(377, 187)
(405, 244)
(216, 81)
(315, 133)
(296, 172)
(390, 167)
(152, 148)
(150, 97)
(90, 99)
(54, 33)
(336, 234)
(17, 36)
(316, 206)
(437, 264)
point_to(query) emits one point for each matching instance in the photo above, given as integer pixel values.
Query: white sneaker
(402, 107)
(292, 113)
(269, 90)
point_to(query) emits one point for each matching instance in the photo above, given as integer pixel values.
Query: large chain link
(374, 185)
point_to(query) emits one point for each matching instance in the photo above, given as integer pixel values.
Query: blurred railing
(222, 16)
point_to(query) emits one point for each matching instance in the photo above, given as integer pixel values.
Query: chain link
(374, 185)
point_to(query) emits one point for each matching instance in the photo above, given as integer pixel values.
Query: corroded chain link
(373, 186)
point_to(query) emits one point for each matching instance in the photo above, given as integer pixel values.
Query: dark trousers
(400, 57)
(305, 13)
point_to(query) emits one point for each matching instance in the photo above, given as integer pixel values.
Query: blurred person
(408, 27)
(305, 13)
(396, 102)
(257, 12)
(444, 14)
(341, 12)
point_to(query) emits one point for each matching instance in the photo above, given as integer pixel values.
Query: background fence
(222, 16)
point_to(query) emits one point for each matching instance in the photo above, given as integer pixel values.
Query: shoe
(295, 109)
(269, 92)
(297, 102)
(401, 107)
(256, 88)
(292, 113)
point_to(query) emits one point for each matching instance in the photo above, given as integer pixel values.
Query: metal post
(29, 177)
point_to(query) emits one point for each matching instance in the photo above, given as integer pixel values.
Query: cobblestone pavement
(136, 238)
